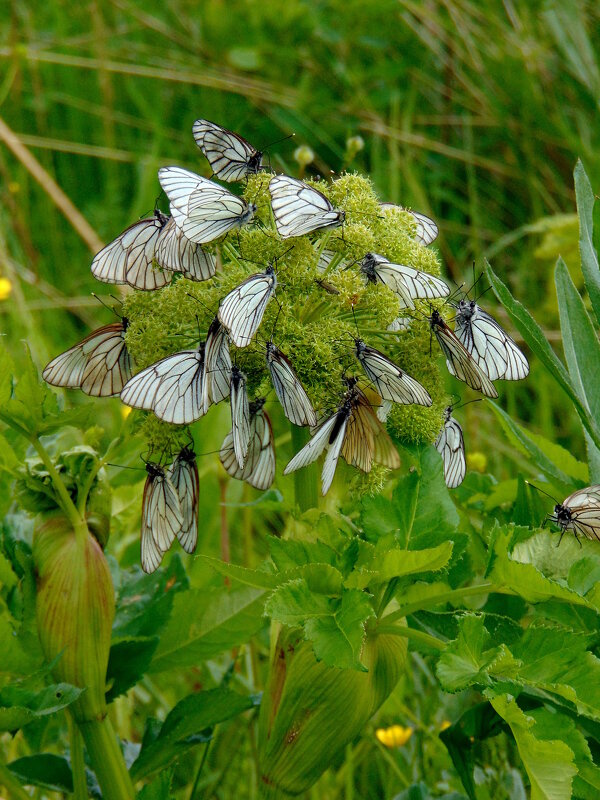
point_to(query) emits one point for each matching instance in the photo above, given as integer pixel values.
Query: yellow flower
(477, 461)
(394, 736)
(5, 288)
(445, 724)
(126, 411)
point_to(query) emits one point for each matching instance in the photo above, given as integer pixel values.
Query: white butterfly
(580, 513)
(490, 347)
(292, 395)
(259, 467)
(240, 415)
(354, 432)
(230, 156)
(172, 387)
(427, 231)
(99, 365)
(162, 518)
(217, 364)
(129, 259)
(451, 446)
(202, 210)
(458, 360)
(183, 474)
(176, 253)
(299, 209)
(400, 324)
(242, 309)
(391, 382)
(408, 283)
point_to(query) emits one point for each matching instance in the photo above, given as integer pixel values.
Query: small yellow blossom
(477, 461)
(304, 155)
(394, 736)
(126, 411)
(14, 187)
(445, 724)
(5, 288)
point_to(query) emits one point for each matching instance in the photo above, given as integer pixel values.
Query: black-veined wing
(299, 209)
(99, 365)
(426, 229)
(401, 324)
(451, 446)
(580, 513)
(292, 395)
(177, 253)
(202, 210)
(330, 433)
(230, 156)
(391, 382)
(242, 309)
(491, 347)
(217, 364)
(408, 283)
(183, 474)
(240, 415)
(172, 388)
(129, 259)
(161, 516)
(259, 467)
(366, 439)
(458, 360)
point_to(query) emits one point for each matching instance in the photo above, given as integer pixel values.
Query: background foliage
(474, 113)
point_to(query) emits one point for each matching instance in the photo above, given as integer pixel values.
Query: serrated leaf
(293, 603)
(397, 563)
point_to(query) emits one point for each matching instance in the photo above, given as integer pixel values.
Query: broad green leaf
(290, 553)
(549, 763)
(44, 770)
(158, 789)
(192, 715)
(538, 342)
(582, 351)
(19, 706)
(205, 622)
(293, 603)
(397, 563)
(128, 661)
(258, 578)
(590, 267)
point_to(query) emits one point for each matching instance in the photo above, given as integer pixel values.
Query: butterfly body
(408, 283)
(391, 382)
(580, 513)
(230, 156)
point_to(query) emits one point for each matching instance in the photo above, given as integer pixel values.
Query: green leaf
(128, 661)
(538, 342)
(258, 578)
(192, 715)
(19, 706)
(397, 563)
(549, 763)
(205, 622)
(582, 351)
(44, 770)
(158, 789)
(590, 267)
(419, 791)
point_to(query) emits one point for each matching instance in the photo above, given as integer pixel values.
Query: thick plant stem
(107, 760)
(305, 479)
(80, 791)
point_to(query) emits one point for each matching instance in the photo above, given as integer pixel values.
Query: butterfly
(451, 446)
(391, 382)
(240, 415)
(426, 229)
(241, 311)
(202, 210)
(352, 431)
(400, 324)
(580, 513)
(217, 364)
(176, 253)
(230, 156)
(183, 474)
(292, 395)
(490, 347)
(259, 466)
(408, 283)
(299, 209)
(129, 259)
(162, 518)
(172, 387)
(99, 365)
(458, 360)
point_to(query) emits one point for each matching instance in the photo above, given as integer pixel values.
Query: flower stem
(305, 479)
(438, 599)
(416, 636)
(80, 791)
(107, 760)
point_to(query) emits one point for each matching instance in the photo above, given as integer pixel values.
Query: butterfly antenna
(122, 466)
(278, 141)
(542, 492)
(482, 293)
(355, 321)
(100, 300)
(476, 400)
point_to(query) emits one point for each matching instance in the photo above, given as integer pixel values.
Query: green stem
(107, 760)
(416, 636)
(80, 791)
(305, 479)
(438, 599)
(11, 784)
(194, 793)
(77, 521)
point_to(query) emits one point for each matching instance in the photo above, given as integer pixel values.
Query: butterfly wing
(151, 554)
(366, 438)
(426, 229)
(410, 284)
(313, 449)
(299, 209)
(177, 253)
(217, 365)
(460, 363)
(242, 310)
(161, 516)
(337, 439)
(490, 347)
(391, 382)
(202, 210)
(240, 418)
(451, 446)
(259, 468)
(584, 498)
(183, 474)
(130, 257)
(290, 392)
(230, 156)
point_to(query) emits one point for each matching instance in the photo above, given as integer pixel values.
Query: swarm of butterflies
(180, 388)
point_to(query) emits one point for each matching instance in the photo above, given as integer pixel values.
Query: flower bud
(75, 609)
(311, 711)
(354, 144)
(304, 155)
